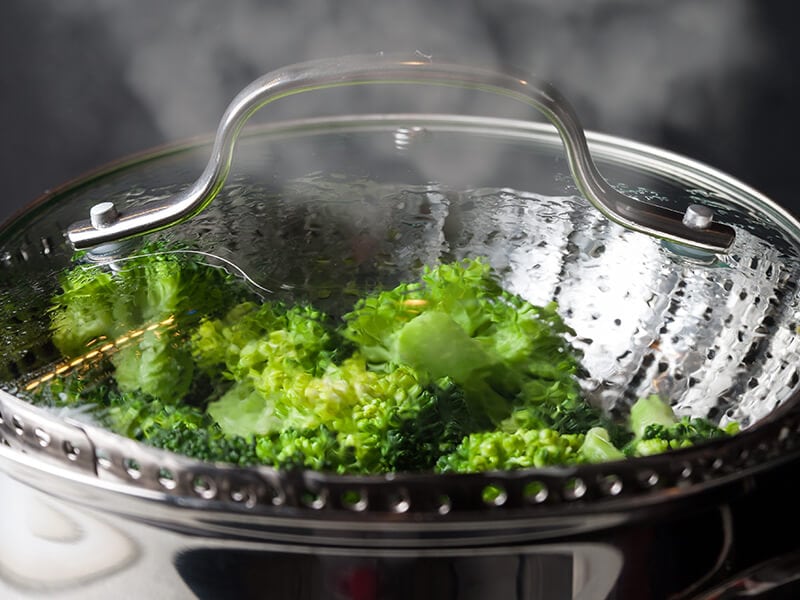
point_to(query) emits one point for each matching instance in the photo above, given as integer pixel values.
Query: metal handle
(696, 228)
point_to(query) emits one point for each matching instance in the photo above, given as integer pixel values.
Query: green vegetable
(459, 322)
(347, 419)
(149, 301)
(450, 373)
(656, 428)
(598, 447)
(650, 410)
(502, 450)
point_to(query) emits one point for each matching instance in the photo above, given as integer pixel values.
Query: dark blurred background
(86, 82)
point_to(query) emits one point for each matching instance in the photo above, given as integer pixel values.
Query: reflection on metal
(48, 547)
(581, 570)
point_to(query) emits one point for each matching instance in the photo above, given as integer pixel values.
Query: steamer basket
(314, 207)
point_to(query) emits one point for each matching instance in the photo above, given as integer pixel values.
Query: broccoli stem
(650, 410)
(433, 343)
(597, 446)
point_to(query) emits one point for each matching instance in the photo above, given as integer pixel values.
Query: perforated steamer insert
(676, 279)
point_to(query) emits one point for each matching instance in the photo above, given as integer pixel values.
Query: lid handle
(701, 233)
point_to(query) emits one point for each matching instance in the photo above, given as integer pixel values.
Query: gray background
(86, 82)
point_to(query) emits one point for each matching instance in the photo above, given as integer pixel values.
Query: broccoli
(143, 309)
(84, 311)
(347, 419)
(458, 322)
(449, 373)
(207, 443)
(251, 337)
(657, 429)
(504, 450)
(598, 447)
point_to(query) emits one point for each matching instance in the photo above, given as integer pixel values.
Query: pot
(676, 278)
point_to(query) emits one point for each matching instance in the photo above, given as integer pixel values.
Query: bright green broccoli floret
(140, 416)
(157, 365)
(252, 336)
(84, 310)
(318, 449)
(458, 322)
(504, 450)
(647, 411)
(349, 419)
(657, 429)
(149, 301)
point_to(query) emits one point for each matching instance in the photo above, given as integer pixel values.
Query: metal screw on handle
(700, 233)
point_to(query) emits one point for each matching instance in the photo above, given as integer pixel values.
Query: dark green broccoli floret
(207, 443)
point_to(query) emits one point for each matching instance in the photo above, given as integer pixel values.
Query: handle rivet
(103, 215)
(698, 216)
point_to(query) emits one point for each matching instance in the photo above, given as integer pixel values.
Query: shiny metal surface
(619, 208)
(101, 541)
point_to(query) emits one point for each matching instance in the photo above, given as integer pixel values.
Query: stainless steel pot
(702, 309)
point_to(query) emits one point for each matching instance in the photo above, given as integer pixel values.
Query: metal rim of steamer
(90, 451)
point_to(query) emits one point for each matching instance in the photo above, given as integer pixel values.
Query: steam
(637, 66)
(629, 68)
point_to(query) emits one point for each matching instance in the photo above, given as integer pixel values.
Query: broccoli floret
(522, 448)
(144, 307)
(657, 429)
(251, 338)
(647, 411)
(157, 365)
(139, 416)
(349, 419)
(84, 310)
(560, 409)
(458, 322)
(179, 428)
(207, 443)
(318, 448)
